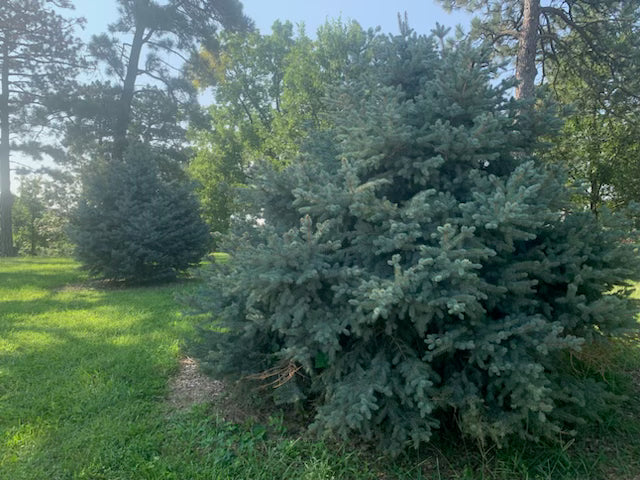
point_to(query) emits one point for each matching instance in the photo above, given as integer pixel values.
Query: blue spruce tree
(416, 267)
(137, 223)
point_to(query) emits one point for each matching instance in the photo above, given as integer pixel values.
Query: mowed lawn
(84, 385)
(83, 389)
(82, 373)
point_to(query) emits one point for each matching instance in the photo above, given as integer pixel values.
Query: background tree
(586, 52)
(151, 100)
(89, 131)
(134, 223)
(268, 92)
(164, 35)
(599, 141)
(38, 56)
(534, 32)
(29, 209)
(41, 213)
(598, 146)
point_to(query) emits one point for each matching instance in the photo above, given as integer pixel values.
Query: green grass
(83, 387)
(83, 395)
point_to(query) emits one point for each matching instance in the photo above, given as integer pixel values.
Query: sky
(423, 14)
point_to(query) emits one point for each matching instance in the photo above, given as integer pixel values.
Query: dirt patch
(191, 386)
(238, 403)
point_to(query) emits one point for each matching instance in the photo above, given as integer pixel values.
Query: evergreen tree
(416, 267)
(535, 33)
(38, 56)
(171, 29)
(133, 224)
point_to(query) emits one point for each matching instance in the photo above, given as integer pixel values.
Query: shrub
(134, 224)
(416, 266)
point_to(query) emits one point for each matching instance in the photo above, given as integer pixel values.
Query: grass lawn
(84, 377)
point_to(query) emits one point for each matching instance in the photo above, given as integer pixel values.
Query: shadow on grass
(77, 404)
(82, 374)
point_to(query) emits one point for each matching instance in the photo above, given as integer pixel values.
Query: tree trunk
(128, 90)
(594, 196)
(6, 199)
(34, 239)
(527, 45)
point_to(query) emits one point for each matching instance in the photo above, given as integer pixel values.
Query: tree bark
(6, 199)
(527, 43)
(128, 89)
(594, 196)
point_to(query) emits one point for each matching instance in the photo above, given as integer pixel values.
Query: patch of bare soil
(233, 403)
(191, 386)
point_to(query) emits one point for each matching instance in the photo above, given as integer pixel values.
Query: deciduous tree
(41, 214)
(269, 91)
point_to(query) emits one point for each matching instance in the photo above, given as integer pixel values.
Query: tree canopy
(154, 111)
(575, 34)
(269, 94)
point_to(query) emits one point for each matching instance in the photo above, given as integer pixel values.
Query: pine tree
(579, 35)
(133, 224)
(415, 266)
(145, 31)
(38, 56)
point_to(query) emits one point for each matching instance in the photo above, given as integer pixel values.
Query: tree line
(269, 92)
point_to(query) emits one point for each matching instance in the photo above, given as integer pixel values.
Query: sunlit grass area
(84, 374)
(83, 387)
(81, 372)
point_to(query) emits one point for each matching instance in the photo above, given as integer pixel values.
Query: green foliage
(598, 144)
(132, 223)
(28, 210)
(415, 268)
(269, 92)
(40, 219)
(587, 52)
(600, 151)
(148, 97)
(156, 119)
(575, 34)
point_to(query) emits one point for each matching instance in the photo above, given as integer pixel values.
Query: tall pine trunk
(128, 91)
(6, 199)
(526, 61)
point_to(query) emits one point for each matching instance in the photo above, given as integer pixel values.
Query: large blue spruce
(416, 266)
